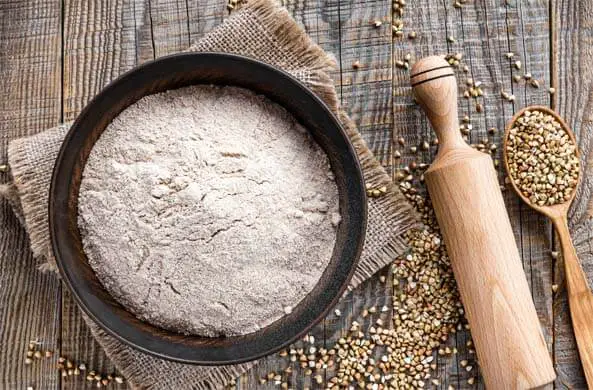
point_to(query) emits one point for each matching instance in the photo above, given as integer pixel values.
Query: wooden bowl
(179, 71)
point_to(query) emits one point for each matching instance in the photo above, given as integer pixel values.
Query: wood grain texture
(366, 91)
(574, 68)
(78, 345)
(521, 28)
(580, 298)
(101, 41)
(203, 16)
(30, 97)
(529, 23)
(170, 26)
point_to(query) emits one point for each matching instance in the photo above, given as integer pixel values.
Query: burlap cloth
(265, 31)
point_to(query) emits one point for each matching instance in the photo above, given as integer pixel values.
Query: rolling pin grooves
(423, 72)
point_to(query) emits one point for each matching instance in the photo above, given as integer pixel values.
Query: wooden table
(56, 54)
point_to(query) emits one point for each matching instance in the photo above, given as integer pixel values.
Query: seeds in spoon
(542, 159)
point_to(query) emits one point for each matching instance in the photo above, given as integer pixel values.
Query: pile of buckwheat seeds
(542, 159)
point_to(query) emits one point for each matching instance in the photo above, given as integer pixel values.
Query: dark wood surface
(55, 55)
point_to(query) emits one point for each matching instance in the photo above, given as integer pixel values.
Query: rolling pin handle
(435, 89)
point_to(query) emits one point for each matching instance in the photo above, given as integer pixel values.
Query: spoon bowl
(553, 211)
(580, 297)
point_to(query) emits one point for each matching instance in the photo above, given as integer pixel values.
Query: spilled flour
(208, 210)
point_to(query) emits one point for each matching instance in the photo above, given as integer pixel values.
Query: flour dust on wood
(208, 210)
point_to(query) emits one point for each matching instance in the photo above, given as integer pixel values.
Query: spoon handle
(580, 298)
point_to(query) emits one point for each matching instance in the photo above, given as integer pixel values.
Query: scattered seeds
(527, 76)
(479, 107)
(451, 39)
(509, 55)
(356, 65)
(552, 90)
(402, 64)
(412, 35)
(534, 83)
(516, 78)
(554, 288)
(517, 65)
(377, 23)
(542, 159)
(554, 254)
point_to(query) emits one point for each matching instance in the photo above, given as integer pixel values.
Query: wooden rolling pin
(466, 196)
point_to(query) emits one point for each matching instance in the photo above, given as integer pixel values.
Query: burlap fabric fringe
(264, 31)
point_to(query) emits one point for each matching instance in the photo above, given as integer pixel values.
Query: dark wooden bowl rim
(174, 72)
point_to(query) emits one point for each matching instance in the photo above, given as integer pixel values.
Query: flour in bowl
(208, 210)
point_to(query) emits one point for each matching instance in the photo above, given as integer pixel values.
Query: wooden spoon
(580, 298)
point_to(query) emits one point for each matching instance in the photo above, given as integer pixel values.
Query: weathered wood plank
(170, 26)
(574, 69)
(30, 97)
(102, 40)
(536, 230)
(204, 16)
(527, 36)
(79, 346)
(366, 91)
(321, 21)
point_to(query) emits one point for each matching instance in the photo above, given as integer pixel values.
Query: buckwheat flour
(208, 210)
